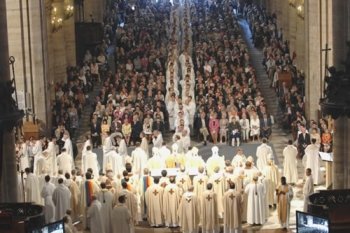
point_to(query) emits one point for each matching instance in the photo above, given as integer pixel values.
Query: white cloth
(24, 157)
(49, 206)
(51, 160)
(89, 160)
(105, 197)
(263, 154)
(61, 198)
(32, 189)
(69, 149)
(139, 161)
(313, 161)
(64, 162)
(256, 203)
(95, 217)
(189, 213)
(308, 189)
(158, 141)
(112, 160)
(290, 170)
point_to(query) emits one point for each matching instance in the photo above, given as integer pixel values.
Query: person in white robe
(89, 160)
(215, 161)
(290, 171)
(164, 151)
(40, 165)
(255, 208)
(171, 201)
(121, 217)
(262, 180)
(51, 159)
(263, 154)
(61, 198)
(154, 203)
(200, 182)
(239, 159)
(218, 182)
(86, 143)
(183, 180)
(131, 201)
(232, 202)
(49, 206)
(312, 158)
(95, 217)
(272, 179)
(308, 188)
(105, 197)
(122, 149)
(144, 144)
(144, 183)
(157, 139)
(24, 156)
(32, 188)
(64, 161)
(37, 151)
(189, 212)
(139, 160)
(209, 211)
(193, 160)
(68, 145)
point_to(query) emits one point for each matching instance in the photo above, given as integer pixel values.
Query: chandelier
(68, 9)
(56, 20)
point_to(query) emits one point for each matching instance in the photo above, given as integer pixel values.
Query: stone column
(292, 18)
(94, 8)
(299, 42)
(340, 158)
(312, 58)
(69, 38)
(340, 30)
(8, 182)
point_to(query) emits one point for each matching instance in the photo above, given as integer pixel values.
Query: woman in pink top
(214, 126)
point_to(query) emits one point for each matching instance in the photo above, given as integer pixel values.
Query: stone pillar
(312, 58)
(292, 18)
(299, 42)
(340, 30)
(69, 38)
(94, 9)
(8, 182)
(340, 158)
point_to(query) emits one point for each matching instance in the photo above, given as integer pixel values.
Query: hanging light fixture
(300, 9)
(68, 9)
(56, 20)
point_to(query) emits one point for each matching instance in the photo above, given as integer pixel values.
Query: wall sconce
(68, 10)
(300, 11)
(56, 21)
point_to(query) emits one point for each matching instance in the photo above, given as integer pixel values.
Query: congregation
(182, 69)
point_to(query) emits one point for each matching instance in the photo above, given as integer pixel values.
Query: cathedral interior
(60, 59)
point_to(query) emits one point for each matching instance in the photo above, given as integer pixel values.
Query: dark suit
(95, 130)
(265, 127)
(303, 142)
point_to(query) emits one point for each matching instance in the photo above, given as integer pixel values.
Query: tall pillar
(299, 42)
(292, 18)
(8, 180)
(69, 38)
(312, 58)
(340, 158)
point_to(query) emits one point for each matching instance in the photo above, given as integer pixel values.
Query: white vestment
(24, 159)
(171, 201)
(95, 217)
(232, 211)
(89, 160)
(263, 154)
(313, 162)
(139, 161)
(69, 149)
(213, 162)
(308, 189)
(61, 199)
(32, 189)
(105, 197)
(64, 162)
(209, 213)
(154, 203)
(256, 203)
(290, 170)
(112, 160)
(51, 160)
(218, 182)
(49, 206)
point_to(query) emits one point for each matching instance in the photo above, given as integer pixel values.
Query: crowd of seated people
(131, 101)
(230, 107)
(278, 60)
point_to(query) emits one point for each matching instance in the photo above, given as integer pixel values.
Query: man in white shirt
(89, 160)
(157, 139)
(263, 153)
(46, 193)
(308, 188)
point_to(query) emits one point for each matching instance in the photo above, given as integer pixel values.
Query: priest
(290, 171)
(31, 187)
(171, 201)
(313, 161)
(89, 160)
(121, 217)
(94, 216)
(232, 210)
(154, 203)
(49, 206)
(139, 160)
(189, 213)
(64, 161)
(105, 197)
(209, 212)
(61, 199)
(263, 154)
(218, 182)
(256, 209)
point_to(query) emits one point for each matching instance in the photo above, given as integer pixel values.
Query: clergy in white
(189, 213)
(313, 160)
(68, 146)
(209, 211)
(171, 201)
(232, 202)
(32, 188)
(263, 154)
(51, 159)
(308, 188)
(64, 161)
(61, 199)
(49, 206)
(121, 217)
(154, 202)
(89, 160)
(105, 197)
(256, 208)
(94, 216)
(290, 170)
(139, 160)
